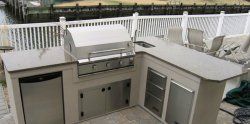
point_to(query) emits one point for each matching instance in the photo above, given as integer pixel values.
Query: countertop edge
(45, 66)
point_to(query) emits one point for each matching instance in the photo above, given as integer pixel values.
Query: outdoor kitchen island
(176, 84)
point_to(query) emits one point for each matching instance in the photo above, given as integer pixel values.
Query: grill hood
(96, 41)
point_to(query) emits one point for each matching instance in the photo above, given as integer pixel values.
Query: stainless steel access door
(42, 99)
(118, 95)
(180, 103)
(92, 101)
(105, 98)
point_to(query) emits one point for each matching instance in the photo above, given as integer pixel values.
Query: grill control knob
(108, 64)
(94, 67)
(121, 62)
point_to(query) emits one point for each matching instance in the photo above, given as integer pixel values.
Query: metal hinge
(82, 114)
(81, 95)
(176, 122)
(127, 101)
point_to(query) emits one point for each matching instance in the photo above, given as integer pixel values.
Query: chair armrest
(203, 47)
(218, 52)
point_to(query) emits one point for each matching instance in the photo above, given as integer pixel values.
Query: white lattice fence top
(157, 25)
(207, 24)
(234, 24)
(125, 21)
(44, 35)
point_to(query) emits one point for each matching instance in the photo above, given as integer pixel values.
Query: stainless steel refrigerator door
(180, 103)
(43, 101)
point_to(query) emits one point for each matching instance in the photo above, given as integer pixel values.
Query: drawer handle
(189, 90)
(159, 87)
(157, 73)
(154, 108)
(154, 96)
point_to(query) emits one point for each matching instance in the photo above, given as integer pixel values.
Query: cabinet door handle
(109, 88)
(103, 89)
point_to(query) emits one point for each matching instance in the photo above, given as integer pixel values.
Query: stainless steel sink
(144, 44)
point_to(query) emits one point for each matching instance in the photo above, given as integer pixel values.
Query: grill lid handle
(104, 51)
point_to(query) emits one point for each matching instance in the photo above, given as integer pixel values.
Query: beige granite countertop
(196, 63)
(30, 59)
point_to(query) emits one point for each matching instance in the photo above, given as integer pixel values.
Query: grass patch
(3, 82)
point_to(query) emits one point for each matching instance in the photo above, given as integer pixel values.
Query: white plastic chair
(195, 39)
(216, 46)
(175, 35)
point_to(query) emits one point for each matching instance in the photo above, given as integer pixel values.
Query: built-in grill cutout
(100, 48)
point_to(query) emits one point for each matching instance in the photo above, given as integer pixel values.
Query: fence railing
(44, 35)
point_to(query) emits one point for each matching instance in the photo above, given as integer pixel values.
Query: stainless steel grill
(100, 48)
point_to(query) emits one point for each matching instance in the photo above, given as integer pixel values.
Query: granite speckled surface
(192, 61)
(30, 59)
(196, 63)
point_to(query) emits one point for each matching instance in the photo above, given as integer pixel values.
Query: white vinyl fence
(44, 35)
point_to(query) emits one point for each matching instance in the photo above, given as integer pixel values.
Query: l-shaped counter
(203, 75)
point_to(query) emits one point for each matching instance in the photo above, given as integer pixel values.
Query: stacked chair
(195, 40)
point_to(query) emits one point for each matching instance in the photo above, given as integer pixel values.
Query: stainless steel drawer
(156, 78)
(153, 104)
(155, 90)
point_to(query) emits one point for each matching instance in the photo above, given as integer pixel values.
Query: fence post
(247, 24)
(184, 25)
(62, 28)
(220, 24)
(134, 25)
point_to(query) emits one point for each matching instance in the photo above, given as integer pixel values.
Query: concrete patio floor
(136, 115)
(225, 118)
